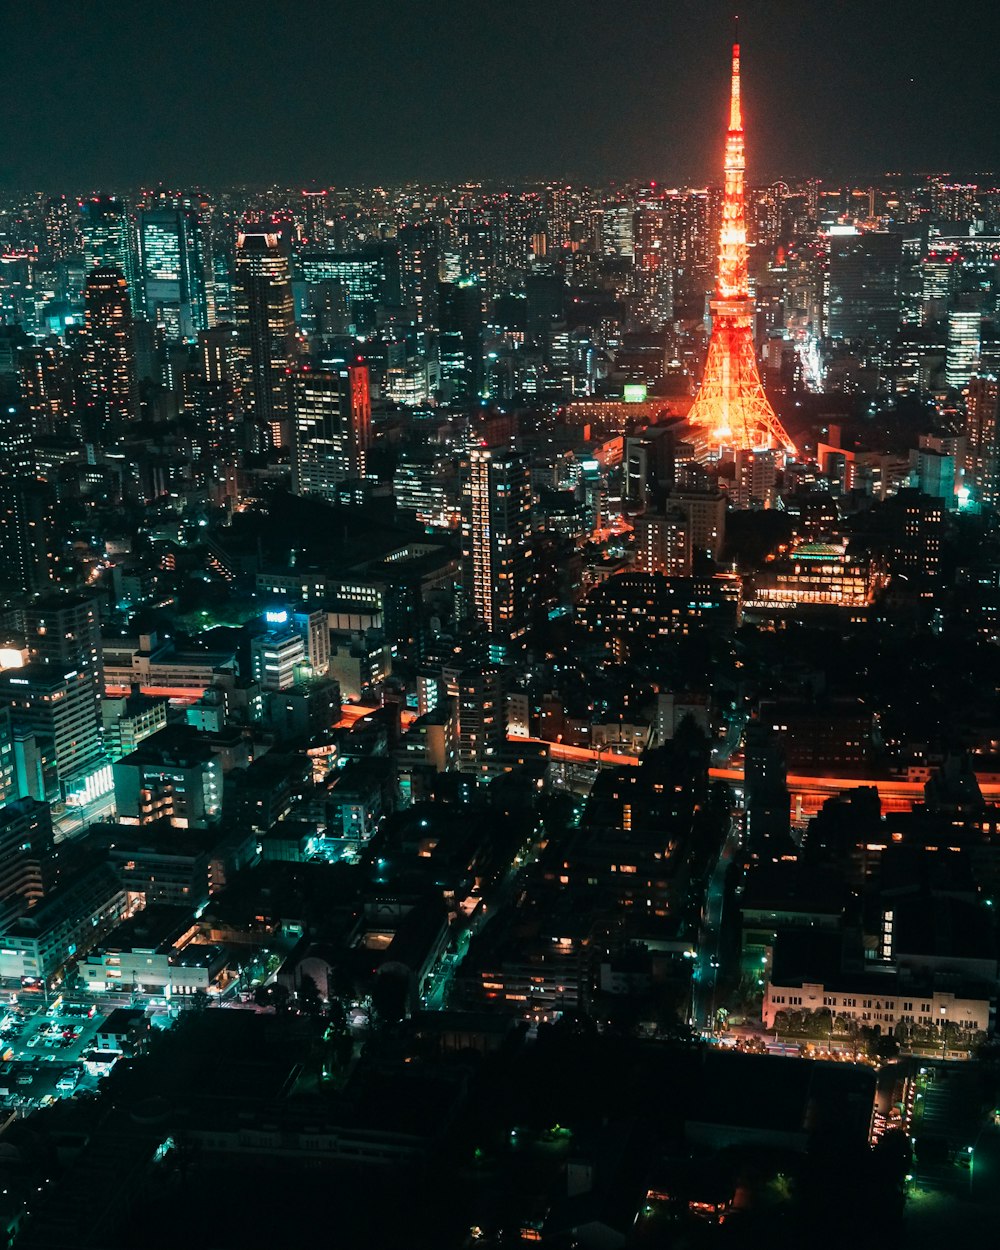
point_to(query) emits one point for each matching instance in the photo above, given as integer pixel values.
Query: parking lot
(43, 1048)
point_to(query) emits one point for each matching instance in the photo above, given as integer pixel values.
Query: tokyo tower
(731, 409)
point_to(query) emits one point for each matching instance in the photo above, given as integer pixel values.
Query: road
(705, 975)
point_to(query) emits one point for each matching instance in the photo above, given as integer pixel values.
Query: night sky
(101, 94)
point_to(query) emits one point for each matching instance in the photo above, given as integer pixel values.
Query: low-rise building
(64, 925)
(153, 952)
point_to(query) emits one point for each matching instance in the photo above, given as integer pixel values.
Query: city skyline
(413, 94)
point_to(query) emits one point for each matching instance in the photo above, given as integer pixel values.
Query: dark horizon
(228, 95)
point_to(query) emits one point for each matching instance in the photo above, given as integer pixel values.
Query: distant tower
(109, 377)
(731, 409)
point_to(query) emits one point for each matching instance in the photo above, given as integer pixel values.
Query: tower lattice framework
(731, 409)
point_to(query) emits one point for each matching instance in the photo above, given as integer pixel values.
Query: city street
(704, 977)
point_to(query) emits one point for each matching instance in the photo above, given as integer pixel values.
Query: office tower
(865, 286)
(460, 321)
(419, 260)
(265, 320)
(496, 543)
(28, 556)
(176, 270)
(60, 228)
(982, 440)
(110, 393)
(315, 211)
(965, 325)
(731, 409)
(369, 276)
(331, 429)
(107, 238)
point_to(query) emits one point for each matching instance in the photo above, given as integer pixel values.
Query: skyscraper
(982, 440)
(419, 258)
(176, 270)
(460, 320)
(965, 325)
(28, 559)
(731, 409)
(331, 429)
(107, 237)
(60, 228)
(265, 319)
(111, 398)
(865, 271)
(315, 210)
(496, 546)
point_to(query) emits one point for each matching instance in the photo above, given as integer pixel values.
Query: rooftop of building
(155, 928)
(181, 746)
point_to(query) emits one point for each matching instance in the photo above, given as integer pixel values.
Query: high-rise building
(315, 212)
(212, 394)
(663, 543)
(982, 440)
(107, 237)
(111, 398)
(460, 320)
(265, 319)
(419, 260)
(964, 334)
(865, 291)
(61, 239)
(64, 632)
(45, 378)
(26, 846)
(705, 510)
(176, 270)
(331, 428)
(370, 277)
(496, 547)
(57, 706)
(756, 479)
(28, 556)
(653, 263)
(482, 720)
(731, 409)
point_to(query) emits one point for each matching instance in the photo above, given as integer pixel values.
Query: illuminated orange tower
(731, 409)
